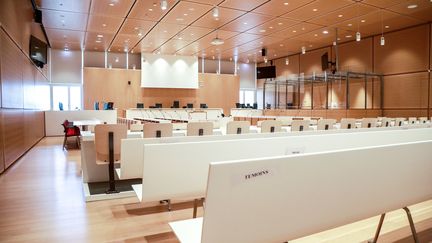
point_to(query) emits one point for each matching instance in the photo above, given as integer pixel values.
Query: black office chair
(140, 105)
(110, 106)
(189, 105)
(238, 105)
(158, 105)
(203, 106)
(176, 104)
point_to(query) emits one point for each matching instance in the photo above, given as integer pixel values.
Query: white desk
(188, 231)
(85, 123)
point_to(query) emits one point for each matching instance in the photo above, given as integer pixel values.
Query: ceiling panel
(149, 9)
(81, 6)
(104, 24)
(296, 30)
(273, 26)
(343, 14)
(65, 35)
(241, 39)
(316, 8)
(243, 5)
(136, 27)
(173, 45)
(208, 2)
(186, 12)
(166, 30)
(246, 22)
(64, 20)
(225, 15)
(418, 9)
(126, 41)
(279, 7)
(371, 23)
(115, 8)
(97, 39)
(192, 33)
(382, 3)
(73, 46)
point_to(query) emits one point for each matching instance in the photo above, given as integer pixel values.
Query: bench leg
(112, 187)
(375, 240)
(195, 209)
(411, 222)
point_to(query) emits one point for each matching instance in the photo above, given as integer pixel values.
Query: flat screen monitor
(176, 104)
(189, 105)
(324, 62)
(38, 51)
(266, 72)
(158, 105)
(203, 106)
(140, 105)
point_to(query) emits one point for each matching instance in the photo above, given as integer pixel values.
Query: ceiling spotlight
(303, 50)
(412, 6)
(286, 3)
(358, 36)
(287, 61)
(265, 60)
(215, 12)
(382, 41)
(325, 32)
(164, 4)
(340, 15)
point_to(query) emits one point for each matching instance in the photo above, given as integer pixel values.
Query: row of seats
(176, 104)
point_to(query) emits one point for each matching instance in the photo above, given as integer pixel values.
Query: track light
(215, 12)
(265, 60)
(303, 49)
(382, 41)
(358, 36)
(164, 4)
(287, 61)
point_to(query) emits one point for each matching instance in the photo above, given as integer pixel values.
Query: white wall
(247, 73)
(65, 66)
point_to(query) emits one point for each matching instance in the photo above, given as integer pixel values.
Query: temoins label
(256, 174)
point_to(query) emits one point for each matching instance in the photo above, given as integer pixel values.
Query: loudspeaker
(38, 16)
(263, 52)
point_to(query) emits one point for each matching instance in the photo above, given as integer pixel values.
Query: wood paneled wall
(21, 121)
(217, 91)
(405, 61)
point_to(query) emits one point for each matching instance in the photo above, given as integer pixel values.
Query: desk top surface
(188, 231)
(86, 122)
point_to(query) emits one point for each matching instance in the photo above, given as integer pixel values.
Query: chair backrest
(110, 106)
(96, 105)
(300, 125)
(368, 122)
(189, 105)
(140, 105)
(326, 124)
(60, 106)
(423, 120)
(136, 127)
(105, 106)
(271, 126)
(199, 128)
(238, 127)
(386, 122)
(399, 121)
(102, 140)
(156, 130)
(65, 125)
(348, 123)
(412, 120)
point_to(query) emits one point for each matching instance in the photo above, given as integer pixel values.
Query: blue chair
(105, 106)
(96, 105)
(60, 106)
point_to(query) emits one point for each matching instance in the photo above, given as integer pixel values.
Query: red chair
(70, 131)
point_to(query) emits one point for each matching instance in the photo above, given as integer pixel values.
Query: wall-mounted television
(38, 51)
(266, 72)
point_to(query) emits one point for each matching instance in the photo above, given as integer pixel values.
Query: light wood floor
(41, 200)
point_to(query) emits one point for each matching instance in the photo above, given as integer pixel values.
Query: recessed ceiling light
(348, 36)
(350, 25)
(136, 28)
(303, 28)
(325, 32)
(262, 31)
(286, 3)
(314, 9)
(281, 45)
(104, 25)
(412, 6)
(191, 9)
(340, 15)
(294, 31)
(363, 20)
(179, 19)
(280, 23)
(150, 9)
(98, 41)
(316, 35)
(139, 34)
(244, 23)
(99, 36)
(185, 14)
(387, 26)
(165, 31)
(111, 4)
(275, 55)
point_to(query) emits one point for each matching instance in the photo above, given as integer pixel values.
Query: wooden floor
(41, 200)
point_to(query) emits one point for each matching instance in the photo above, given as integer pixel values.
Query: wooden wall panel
(406, 91)
(336, 114)
(13, 135)
(404, 51)
(29, 94)
(311, 61)
(405, 113)
(217, 91)
(11, 86)
(357, 94)
(2, 164)
(358, 114)
(283, 71)
(319, 95)
(356, 56)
